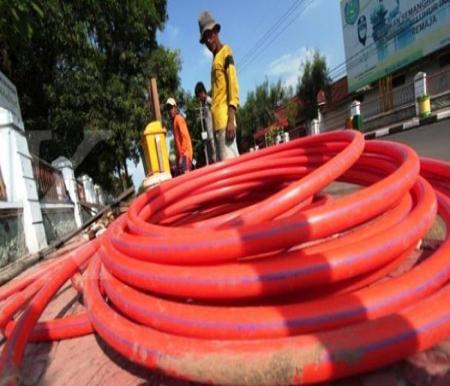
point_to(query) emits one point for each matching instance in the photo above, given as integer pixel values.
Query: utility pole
(204, 136)
(154, 99)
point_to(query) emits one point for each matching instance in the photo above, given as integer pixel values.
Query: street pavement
(432, 140)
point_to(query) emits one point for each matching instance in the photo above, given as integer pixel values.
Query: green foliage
(314, 78)
(18, 20)
(258, 110)
(292, 110)
(81, 69)
(423, 98)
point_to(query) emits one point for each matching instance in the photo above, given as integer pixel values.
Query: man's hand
(231, 131)
(231, 126)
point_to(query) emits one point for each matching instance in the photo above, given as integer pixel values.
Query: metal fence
(50, 182)
(404, 96)
(438, 83)
(2, 188)
(335, 119)
(397, 98)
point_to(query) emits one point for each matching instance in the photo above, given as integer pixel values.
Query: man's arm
(233, 96)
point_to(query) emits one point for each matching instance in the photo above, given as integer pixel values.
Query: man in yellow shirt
(225, 88)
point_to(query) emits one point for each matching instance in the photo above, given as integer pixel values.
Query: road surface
(431, 140)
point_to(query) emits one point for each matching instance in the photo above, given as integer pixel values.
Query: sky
(269, 39)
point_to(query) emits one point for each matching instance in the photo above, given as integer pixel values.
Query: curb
(407, 125)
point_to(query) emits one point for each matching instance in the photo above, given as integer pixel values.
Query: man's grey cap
(206, 23)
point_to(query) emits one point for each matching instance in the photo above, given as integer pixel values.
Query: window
(398, 81)
(444, 60)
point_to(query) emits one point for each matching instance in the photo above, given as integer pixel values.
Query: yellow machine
(424, 106)
(155, 148)
(157, 166)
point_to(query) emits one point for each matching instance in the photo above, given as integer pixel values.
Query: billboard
(382, 36)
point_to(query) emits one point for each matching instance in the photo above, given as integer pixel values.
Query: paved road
(430, 140)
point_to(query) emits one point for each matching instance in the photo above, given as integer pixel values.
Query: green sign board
(382, 36)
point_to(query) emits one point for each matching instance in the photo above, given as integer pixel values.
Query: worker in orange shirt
(183, 144)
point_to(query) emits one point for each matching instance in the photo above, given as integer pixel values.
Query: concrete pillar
(321, 119)
(355, 108)
(420, 84)
(99, 195)
(314, 127)
(66, 168)
(88, 189)
(420, 88)
(278, 139)
(355, 112)
(21, 187)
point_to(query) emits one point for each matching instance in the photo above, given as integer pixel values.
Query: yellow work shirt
(225, 87)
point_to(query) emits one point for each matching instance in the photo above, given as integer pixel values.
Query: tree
(81, 70)
(314, 78)
(18, 22)
(259, 110)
